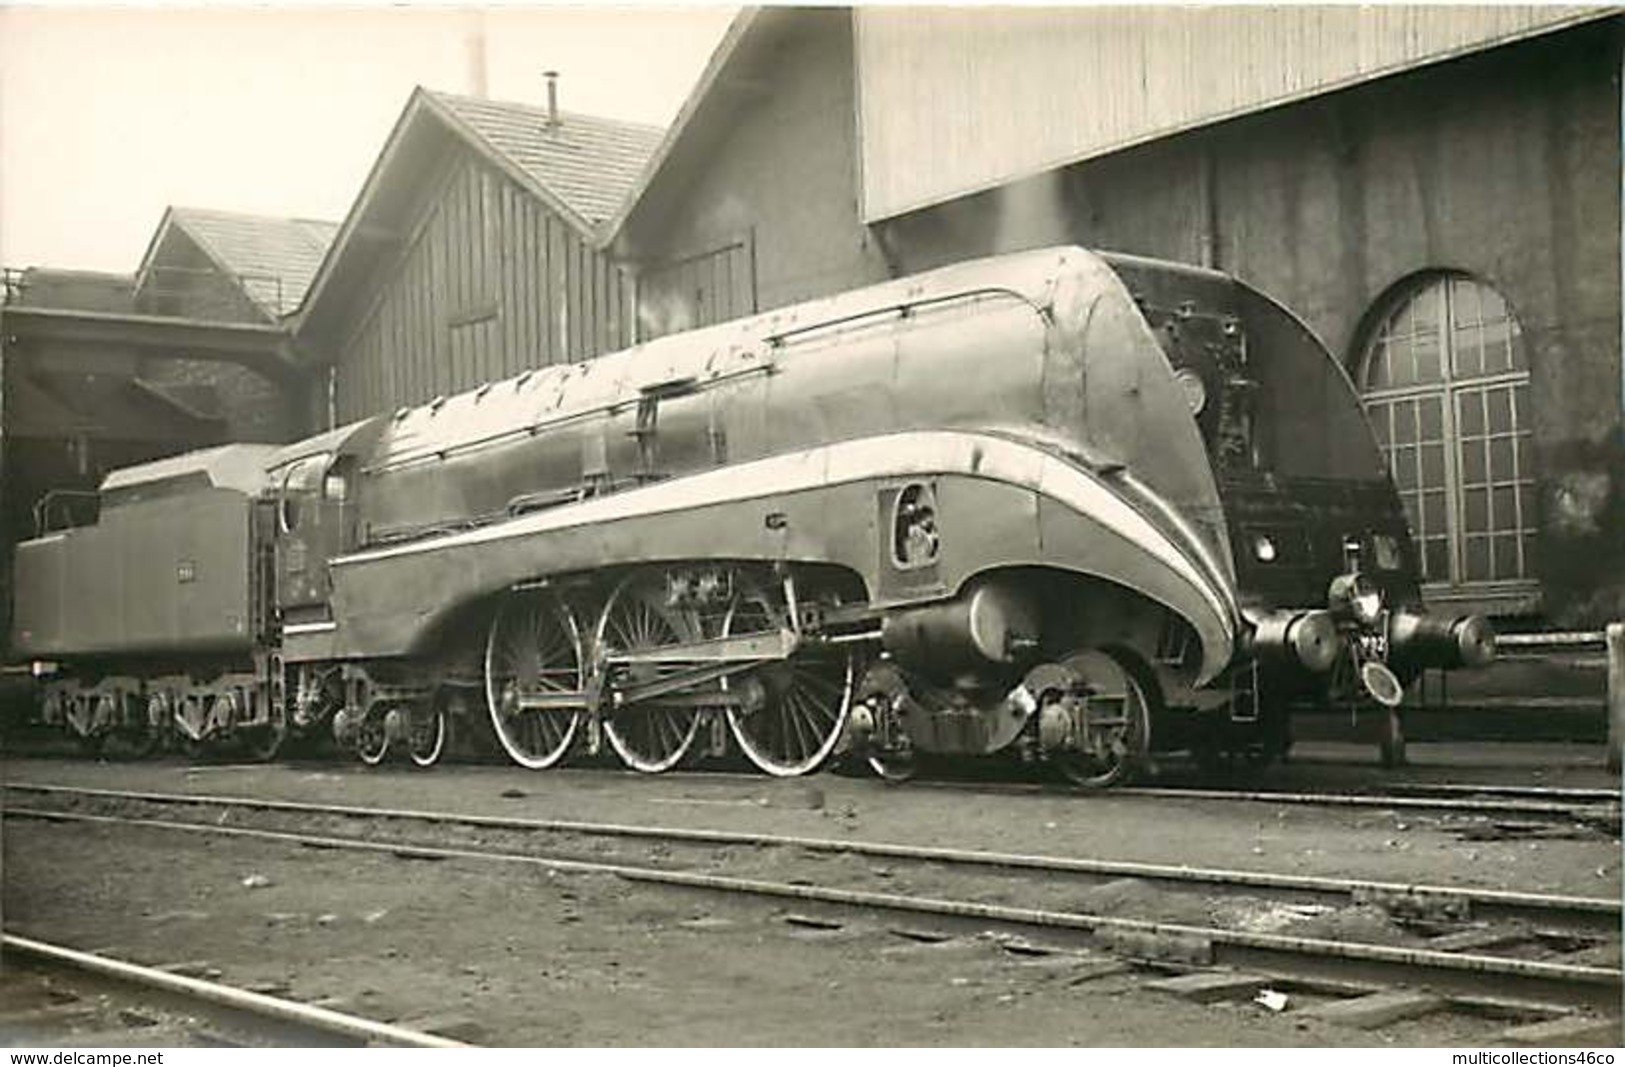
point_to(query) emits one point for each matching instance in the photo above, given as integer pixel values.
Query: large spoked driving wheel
(790, 713)
(649, 735)
(534, 647)
(1113, 736)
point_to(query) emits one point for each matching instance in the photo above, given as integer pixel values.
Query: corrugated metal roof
(588, 162)
(276, 258)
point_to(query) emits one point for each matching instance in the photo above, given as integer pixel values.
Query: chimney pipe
(552, 77)
(475, 45)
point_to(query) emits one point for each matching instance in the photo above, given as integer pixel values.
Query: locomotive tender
(1070, 505)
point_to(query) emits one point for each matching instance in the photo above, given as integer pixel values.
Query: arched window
(1446, 384)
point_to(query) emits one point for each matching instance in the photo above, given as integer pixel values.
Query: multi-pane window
(1447, 387)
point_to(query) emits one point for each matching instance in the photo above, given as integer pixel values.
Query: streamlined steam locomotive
(1071, 506)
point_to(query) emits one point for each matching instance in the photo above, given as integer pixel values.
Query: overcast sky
(109, 115)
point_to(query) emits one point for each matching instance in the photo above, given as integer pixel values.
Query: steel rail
(1512, 806)
(324, 1020)
(1558, 800)
(1494, 898)
(1510, 900)
(1438, 962)
(1582, 794)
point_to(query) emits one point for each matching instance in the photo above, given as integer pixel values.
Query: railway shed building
(99, 371)
(471, 254)
(1435, 191)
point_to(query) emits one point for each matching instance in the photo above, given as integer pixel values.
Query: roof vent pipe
(552, 77)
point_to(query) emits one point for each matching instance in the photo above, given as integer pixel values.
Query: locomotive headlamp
(1264, 549)
(1355, 596)
(1386, 549)
(1191, 384)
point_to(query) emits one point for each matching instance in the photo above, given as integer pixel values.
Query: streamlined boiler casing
(1068, 504)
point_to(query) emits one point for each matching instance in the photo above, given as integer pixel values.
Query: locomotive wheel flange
(534, 645)
(428, 731)
(799, 706)
(648, 736)
(887, 750)
(371, 737)
(1111, 729)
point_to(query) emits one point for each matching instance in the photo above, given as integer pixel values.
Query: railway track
(1596, 807)
(1482, 949)
(59, 996)
(1599, 808)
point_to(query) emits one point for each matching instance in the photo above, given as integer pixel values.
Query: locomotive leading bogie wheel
(1115, 728)
(534, 644)
(427, 730)
(791, 720)
(647, 735)
(372, 739)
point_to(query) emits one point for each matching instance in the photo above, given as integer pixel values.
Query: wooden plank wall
(699, 290)
(989, 96)
(488, 283)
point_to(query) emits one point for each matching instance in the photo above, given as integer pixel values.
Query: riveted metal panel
(991, 96)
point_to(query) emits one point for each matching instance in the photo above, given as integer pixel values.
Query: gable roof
(588, 162)
(273, 259)
(739, 71)
(581, 170)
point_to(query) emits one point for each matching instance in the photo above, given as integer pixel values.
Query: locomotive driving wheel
(1110, 720)
(534, 646)
(791, 712)
(649, 735)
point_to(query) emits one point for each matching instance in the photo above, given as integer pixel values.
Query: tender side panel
(37, 615)
(156, 576)
(187, 573)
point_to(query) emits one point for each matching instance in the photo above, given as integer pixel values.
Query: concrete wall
(785, 169)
